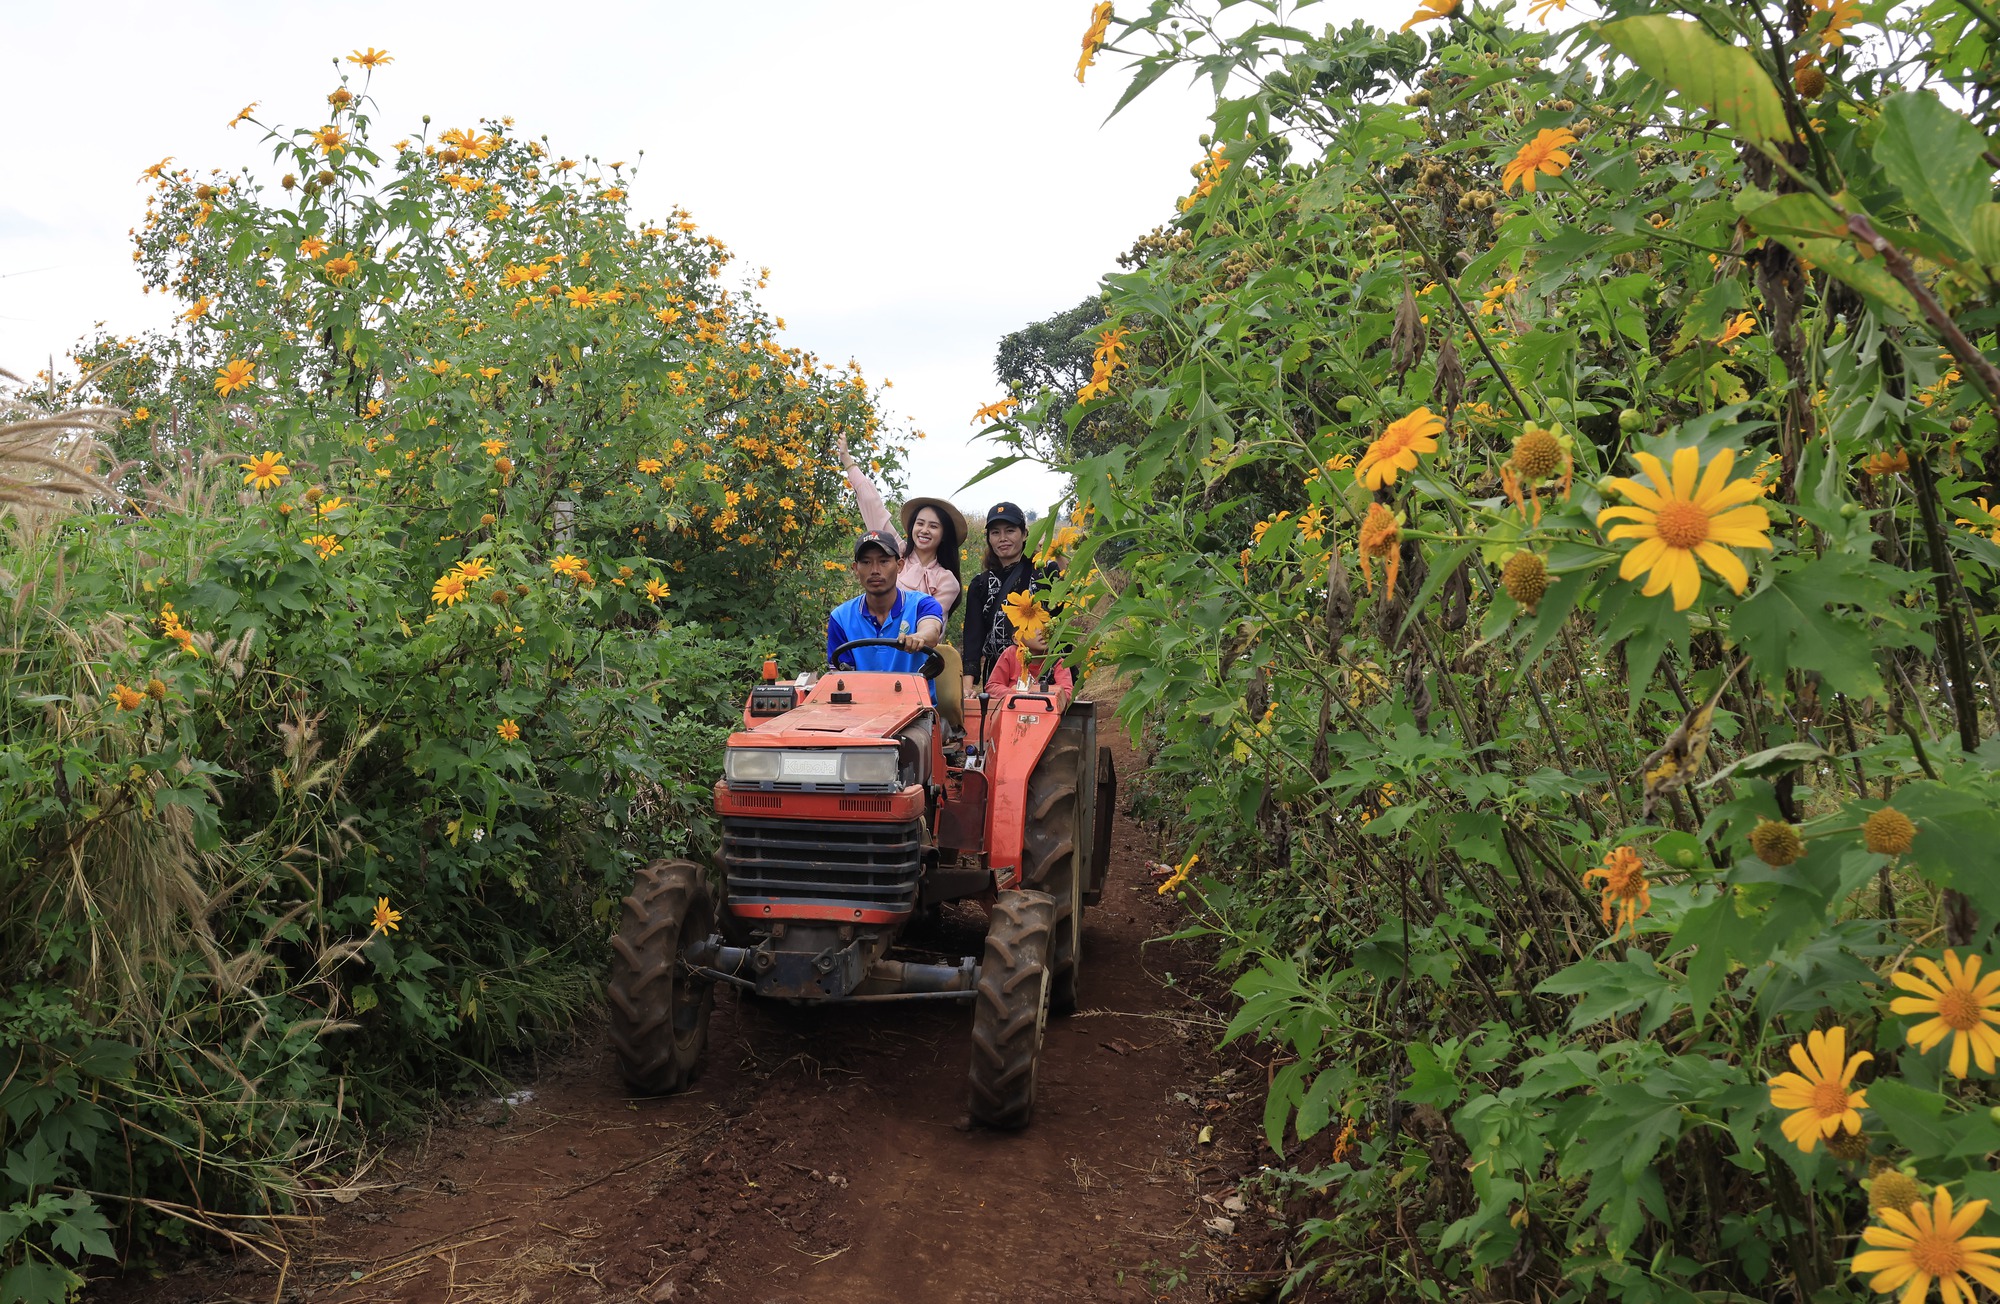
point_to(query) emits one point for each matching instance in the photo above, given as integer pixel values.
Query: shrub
(427, 558)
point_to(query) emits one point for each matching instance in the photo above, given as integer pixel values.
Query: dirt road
(823, 1157)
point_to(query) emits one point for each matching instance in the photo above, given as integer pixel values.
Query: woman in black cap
(1008, 571)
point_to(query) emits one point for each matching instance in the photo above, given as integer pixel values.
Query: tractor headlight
(751, 764)
(874, 767)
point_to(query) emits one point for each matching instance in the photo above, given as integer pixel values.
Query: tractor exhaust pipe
(885, 980)
(904, 978)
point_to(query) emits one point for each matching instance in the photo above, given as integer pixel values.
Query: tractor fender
(1021, 726)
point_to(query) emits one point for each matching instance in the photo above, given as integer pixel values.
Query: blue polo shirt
(852, 619)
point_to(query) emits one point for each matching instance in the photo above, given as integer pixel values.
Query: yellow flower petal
(1687, 467)
(1725, 564)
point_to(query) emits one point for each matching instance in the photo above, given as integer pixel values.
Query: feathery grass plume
(48, 458)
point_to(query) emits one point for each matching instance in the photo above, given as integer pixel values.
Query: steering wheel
(933, 663)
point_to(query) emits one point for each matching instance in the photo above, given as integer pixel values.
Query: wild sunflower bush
(1558, 584)
(412, 587)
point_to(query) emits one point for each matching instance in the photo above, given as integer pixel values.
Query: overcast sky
(921, 178)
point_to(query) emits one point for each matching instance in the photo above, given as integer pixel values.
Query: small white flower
(479, 835)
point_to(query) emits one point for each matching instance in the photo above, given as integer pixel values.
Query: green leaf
(1985, 236)
(1791, 624)
(1431, 1081)
(1956, 834)
(1913, 1116)
(1793, 215)
(1933, 155)
(1771, 761)
(34, 1164)
(37, 1282)
(1725, 79)
(1711, 930)
(83, 1230)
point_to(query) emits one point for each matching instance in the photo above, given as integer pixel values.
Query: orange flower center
(1681, 525)
(1829, 1098)
(1960, 1009)
(1938, 1254)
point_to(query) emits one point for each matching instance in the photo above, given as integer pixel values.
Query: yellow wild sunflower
(1963, 1006)
(1821, 1095)
(265, 471)
(450, 589)
(508, 731)
(237, 374)
(1546, 155)
(1923, 1245)
(1093, 37)
(1740, 325)
(385, 919)
(1697, 512)
(1430, 11)
(1627, 894)
(1028, 617)
(473, 569)
(1381, 533)
(1398, 448)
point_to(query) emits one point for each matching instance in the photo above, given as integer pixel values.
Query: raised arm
(874, 513)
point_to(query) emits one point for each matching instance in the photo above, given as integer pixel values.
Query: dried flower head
(1536, 453)
(1893, 1189)
(1525, 578)
(1888, 832)
(1776, 843)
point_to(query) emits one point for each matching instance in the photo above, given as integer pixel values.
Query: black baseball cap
(1010, 513)
(877, 539)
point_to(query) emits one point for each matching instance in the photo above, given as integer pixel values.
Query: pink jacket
(1008, 669)
(930, 578)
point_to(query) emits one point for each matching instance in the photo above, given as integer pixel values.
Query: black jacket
(987, 629)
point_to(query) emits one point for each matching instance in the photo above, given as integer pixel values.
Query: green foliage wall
(1555, 581)
(439, 540)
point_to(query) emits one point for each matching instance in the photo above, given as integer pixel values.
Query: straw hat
(944, 509)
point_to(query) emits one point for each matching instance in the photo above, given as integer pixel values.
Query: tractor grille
(799, 862)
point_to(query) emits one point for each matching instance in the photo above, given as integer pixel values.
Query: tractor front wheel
(1011, 1009)
(659, 1011)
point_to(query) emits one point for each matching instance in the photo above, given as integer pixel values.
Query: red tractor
(844, 816)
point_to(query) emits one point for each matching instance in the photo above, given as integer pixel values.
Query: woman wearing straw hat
(932, 533)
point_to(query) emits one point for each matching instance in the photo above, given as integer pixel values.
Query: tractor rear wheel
(1050, 861)
(1010, 1009)
(659, 1011)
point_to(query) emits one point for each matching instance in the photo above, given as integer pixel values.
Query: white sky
(921, 178)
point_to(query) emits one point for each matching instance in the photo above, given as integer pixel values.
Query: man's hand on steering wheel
(933, 662)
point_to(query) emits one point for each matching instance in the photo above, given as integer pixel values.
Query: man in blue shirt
(882, 610)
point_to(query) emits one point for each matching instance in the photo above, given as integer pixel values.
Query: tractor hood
(823, 724)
